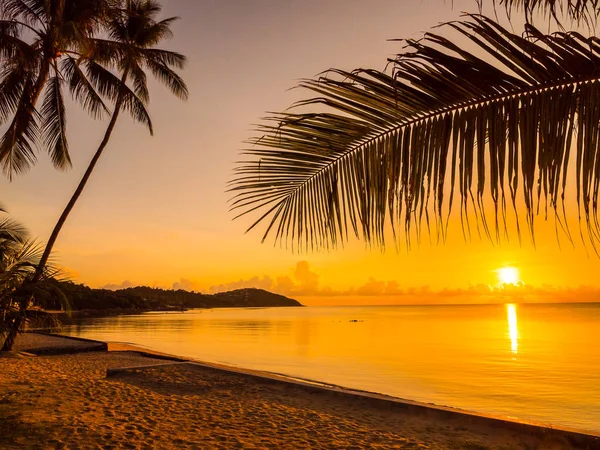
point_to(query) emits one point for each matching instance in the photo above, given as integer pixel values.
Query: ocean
(528, 362)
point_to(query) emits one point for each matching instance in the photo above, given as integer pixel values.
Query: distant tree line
(82, 297)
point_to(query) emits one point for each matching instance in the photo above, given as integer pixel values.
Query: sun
(508, 275)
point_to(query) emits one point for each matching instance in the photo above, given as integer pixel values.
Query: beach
(67, 401)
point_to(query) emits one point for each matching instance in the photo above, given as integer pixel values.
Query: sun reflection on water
(513, 331)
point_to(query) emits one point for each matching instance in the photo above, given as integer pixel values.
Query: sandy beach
(67, 401)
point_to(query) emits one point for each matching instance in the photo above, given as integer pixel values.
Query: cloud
(186, 285)
(307, 281)
(285, 284)
(254, 282)
(114, 287)
(302, 281)
(372, 287)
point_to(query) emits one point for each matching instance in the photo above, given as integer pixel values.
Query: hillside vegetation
(145, 298)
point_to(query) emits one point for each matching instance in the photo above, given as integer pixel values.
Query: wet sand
(67, 401)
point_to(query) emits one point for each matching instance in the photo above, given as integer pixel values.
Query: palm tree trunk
(12, 335)
(40, 82)
(63, 218)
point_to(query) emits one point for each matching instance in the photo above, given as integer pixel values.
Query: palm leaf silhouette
(498, 120)
(578, 10)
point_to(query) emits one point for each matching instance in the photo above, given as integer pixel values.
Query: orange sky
(155, 211)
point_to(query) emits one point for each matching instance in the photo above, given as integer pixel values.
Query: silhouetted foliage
(23, 299)
(151, 299)
(495, 123)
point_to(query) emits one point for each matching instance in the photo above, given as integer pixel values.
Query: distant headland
(86, 301)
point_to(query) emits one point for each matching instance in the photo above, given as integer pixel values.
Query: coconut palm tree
(490, 120)
(21, 299)
(134, 33)
(41, 43)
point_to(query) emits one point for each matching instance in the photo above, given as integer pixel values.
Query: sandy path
(67, 402)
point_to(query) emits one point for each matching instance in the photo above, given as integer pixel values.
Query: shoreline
(584, 436)
(126, 396)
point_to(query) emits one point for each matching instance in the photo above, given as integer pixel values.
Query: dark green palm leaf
(392, 149)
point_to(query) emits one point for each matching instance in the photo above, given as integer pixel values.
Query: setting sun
(508, 275)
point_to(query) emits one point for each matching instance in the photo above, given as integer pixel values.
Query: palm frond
(15, 51)
(17, 266)
(105, 51)
(102, 80)
(32, 12)
(142, 8)
(579, 10)
(16, 146)
(11, 90)
(85, 17)
(140, 82)
(166, 57)
(81, 89)
(136, 108)
(155, 33)
(110, 86)
(169, 78)
(11, 28)
(12, 232)
(54, 124)
(29, 253)
(388, 148)
(38, 319)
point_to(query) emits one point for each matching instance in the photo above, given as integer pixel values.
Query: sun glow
(508, 275)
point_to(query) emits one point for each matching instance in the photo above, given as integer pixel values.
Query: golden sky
(155, 211)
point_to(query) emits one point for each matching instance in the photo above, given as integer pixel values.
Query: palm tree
(41, 46)
(21, 298)
(494, 117)
(134, 33)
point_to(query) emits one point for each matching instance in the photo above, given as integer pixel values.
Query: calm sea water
(530, 362)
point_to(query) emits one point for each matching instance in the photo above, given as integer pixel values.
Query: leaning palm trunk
(13, 331)
(133, 49)
(24, 314)
(86, 176)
